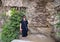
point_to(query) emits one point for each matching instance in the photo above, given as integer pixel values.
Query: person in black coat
(24, 26)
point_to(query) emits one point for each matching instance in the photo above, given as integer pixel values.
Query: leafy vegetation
(0, 35)
(11, 28)
(58, 25)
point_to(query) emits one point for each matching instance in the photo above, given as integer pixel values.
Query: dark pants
(24, 33)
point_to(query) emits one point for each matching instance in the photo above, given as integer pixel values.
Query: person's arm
(20, 27)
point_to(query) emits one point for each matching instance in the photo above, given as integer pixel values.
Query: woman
(24, 26)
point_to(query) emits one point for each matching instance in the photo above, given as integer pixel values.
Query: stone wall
(41, 16)
(1, 12)
(40, 13)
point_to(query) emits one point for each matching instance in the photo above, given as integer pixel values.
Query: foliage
(0, 35)
(11, 28)
(58, 25)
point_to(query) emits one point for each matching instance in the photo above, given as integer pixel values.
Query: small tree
(11, 28)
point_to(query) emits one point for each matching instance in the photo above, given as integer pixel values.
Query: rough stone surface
(40, 13)
(20, 41)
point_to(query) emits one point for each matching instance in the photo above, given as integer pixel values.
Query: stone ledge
(20, 41)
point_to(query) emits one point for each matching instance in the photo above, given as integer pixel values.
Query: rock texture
(40, 13)
(12, 3)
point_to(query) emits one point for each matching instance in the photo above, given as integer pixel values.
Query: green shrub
(11, 29)
(0, 35)
(58, 25)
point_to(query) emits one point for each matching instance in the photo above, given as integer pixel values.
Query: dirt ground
(37, 38)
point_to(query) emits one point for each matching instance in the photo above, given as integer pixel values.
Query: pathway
(38, 38)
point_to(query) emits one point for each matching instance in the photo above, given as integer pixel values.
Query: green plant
(58, 25)
(11, 29)
(0, 35)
